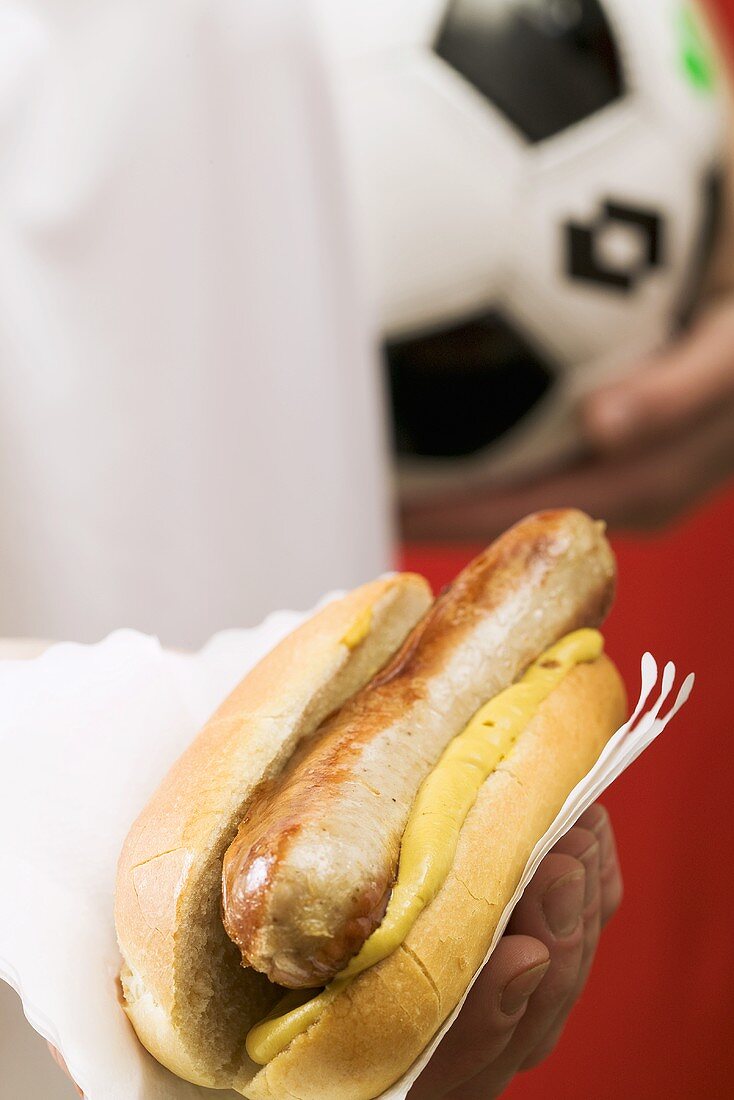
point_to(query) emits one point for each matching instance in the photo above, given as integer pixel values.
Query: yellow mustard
(359, 629)
(432, 832)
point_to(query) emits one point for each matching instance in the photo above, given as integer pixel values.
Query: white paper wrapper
(86, 732)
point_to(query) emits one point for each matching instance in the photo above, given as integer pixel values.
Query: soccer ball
(537, 183)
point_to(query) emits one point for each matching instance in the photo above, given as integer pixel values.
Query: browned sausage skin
(309, 875)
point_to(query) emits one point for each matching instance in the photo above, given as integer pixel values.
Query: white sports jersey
(190, 410)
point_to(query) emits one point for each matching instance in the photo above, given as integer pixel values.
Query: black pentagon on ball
(545, 64)
(458, 390)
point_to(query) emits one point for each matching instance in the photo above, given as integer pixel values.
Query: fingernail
(520, 989)
(590, 860)
(563, 904)
(604, 836)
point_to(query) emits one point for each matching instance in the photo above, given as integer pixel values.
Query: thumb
(669, 390)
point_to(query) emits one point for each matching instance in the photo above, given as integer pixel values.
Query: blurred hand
(516, 1011)
(657, 443)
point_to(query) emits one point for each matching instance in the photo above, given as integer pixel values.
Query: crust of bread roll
(372, 1033)
(187, 995)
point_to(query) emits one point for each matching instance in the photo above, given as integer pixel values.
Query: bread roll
(187, 995)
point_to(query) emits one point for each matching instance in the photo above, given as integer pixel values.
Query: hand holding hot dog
(310, 891)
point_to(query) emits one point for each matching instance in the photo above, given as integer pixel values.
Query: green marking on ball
(698, 62)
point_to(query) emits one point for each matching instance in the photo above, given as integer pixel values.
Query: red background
(657, 1018)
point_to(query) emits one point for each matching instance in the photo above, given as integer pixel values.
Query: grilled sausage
(309, 875)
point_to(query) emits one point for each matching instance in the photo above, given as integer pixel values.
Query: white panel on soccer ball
(675, 71)
(436, 174)
(614, 295)
(355, 29)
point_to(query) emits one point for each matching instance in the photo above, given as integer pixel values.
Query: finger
(603, 487)
(63, 1066)
(551, 911)
(584, 845)
(635, 491)
(601, 902)
(482, 513)
(596, 819)
(495, 1004)
(670, 390)
(649, 489)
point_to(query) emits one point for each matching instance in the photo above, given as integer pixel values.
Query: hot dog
(295, 843)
